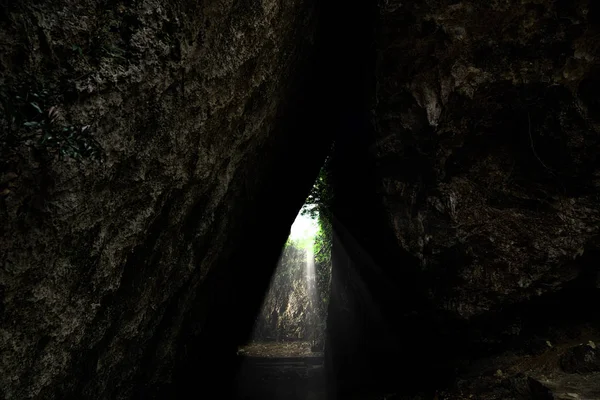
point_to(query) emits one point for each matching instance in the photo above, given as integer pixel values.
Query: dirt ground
(278, 349)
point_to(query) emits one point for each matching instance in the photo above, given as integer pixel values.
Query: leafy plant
(32, 118)
(320, 196)
(74, 141)
(291, 274)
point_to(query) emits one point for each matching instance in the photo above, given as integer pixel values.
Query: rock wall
(471, 182)
(111, 271)
(286, 310)
(486, 143)
(465, 176)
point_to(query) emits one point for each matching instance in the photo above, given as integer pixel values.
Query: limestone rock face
(195, 108)
(285, 310)
(486, 143)
(581, 359)
(473, 184)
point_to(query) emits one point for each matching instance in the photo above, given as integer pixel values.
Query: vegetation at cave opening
(290, 311)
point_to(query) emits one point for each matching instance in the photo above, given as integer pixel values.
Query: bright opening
(289, 331)
(305, 227)
(292, 317)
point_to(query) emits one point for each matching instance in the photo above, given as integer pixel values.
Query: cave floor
(289, 370)
(279, 350)
(280, 370)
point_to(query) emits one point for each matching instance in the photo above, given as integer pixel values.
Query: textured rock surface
(582, 359)
(285, 311)
(472, 185)
(487, 142)
(514, 376)
(196, 109)
(465, 181)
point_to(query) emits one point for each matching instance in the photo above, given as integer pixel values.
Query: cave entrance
(284, 358)
(293, 313)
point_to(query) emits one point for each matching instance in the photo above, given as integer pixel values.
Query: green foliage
(302, 244)
(77, 49)
(291, 274)
(322, 252)
(32, 118)
(319, 201)
(320, 196)
(323, 241)
(318, 207)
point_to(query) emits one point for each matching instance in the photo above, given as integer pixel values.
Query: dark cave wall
(486, 148)
(477, 162)
(135, 278)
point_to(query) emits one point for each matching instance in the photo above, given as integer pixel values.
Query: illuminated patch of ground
(278, 350)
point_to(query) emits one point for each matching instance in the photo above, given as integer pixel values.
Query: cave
(284, 357)
(154, 155)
